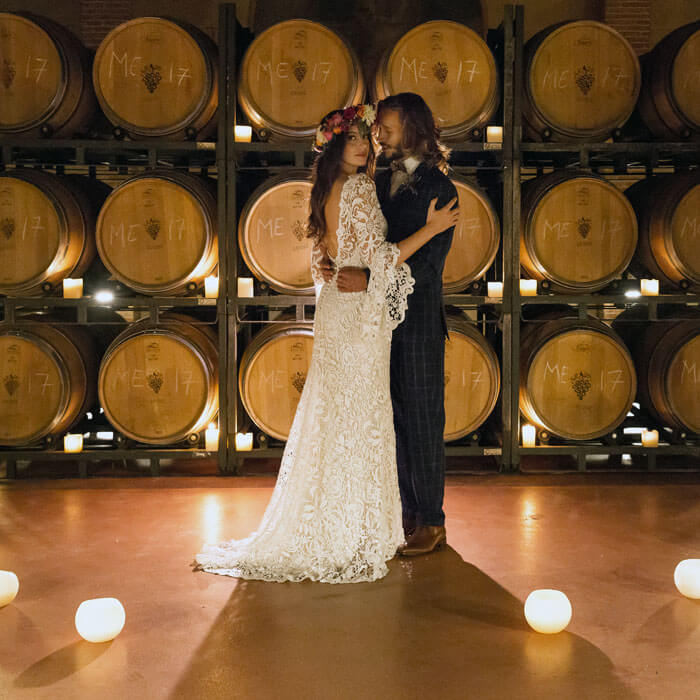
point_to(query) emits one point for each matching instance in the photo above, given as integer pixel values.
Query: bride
(335, 512)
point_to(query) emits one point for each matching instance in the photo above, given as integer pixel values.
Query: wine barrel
(157, 232)
(272, 232)
(272, 373)
(451, 67)
(47, 230)
(156, 77)
(472, 377)
(293, 74)
(669, 102)
(577, 230)
(159, 384)
(577, 379)
(666, 353)
(45, 86)
(582, 80)
(48, 379)
(668, 208)
(475, 241)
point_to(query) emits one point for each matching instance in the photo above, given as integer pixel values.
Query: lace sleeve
(389, 284)
(316, 257)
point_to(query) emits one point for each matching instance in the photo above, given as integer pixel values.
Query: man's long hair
(326, 170)
(421, 136)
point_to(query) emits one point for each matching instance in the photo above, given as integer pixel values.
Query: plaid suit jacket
(405, 213)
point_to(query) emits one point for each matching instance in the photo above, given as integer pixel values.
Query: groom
(408, 136)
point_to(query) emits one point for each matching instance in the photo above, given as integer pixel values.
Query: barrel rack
(501, 169)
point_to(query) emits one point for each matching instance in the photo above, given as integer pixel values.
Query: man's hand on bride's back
(352, 279)
(327, 268)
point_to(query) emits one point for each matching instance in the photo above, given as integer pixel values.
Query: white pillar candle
(650, 438)
(72, 288)
(211, 287)
(547, 611)
(100, 619)
(494, 289)
(245, 287)
(649, 288)
(9, 585)
(528, 288)
(529, 435)
(244, 442)
(72, 442)
(211, 438)
(494, 134)
(243, 133)
(687, 578)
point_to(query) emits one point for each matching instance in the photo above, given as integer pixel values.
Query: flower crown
(341, 120)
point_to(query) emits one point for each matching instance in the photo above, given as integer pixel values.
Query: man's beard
(396, 154)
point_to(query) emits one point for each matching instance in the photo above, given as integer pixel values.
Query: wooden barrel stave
(158, 384)
(578, 231)
(57, 215)
(48, 379)
(310, 70)
(49, 94)
(451, 67)
(582, 80)
(158, 78)
(157, 232)
(577, 378)
(272, 232)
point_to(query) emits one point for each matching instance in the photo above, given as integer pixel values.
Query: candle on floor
(494, 134)
(9, 585)
(72, 288)
(650, 438)
(245, 287)
(100, 619)
(72, 442)
(547, 611)
(211, 438)
(211, 287)
(528, 288)
(529, 435)
(244, 442)
(243, 133)
(494, 289)
(687, 578)
(649, 288)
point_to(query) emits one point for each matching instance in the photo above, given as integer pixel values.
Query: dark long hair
(421, 135)
(326, 170)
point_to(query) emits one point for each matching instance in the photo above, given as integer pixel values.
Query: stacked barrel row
(156, 384)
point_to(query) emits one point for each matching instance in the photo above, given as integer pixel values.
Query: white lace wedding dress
(335, 513)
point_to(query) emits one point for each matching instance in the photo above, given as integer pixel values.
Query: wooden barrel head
(154, 387)
(32, 227)
(475, 242)
(581, 234)
(272, 376)
(272, 235)
(451, 67)
(584, 79)
(580, 384)
(154, 233)
(683, 384)
(293, 74)
(34, 389)
(685, 80)
(151, 76)
(685, 235)
(472, 381)
(31, 73)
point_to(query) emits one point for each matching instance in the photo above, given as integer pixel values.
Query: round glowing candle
(494, 134)
(245, 287)
(72, 442)
(687, 578)
(211, 287)
(9, 585)
(528, 288)
(244, 442)
(211, 438)
(243, 133)
(494, 289)
(529, 435)
(100, 619)
(649, 288)
(650, 438)
(72, 288)
(547, 611)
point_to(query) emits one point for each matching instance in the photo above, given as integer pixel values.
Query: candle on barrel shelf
(494, 289)
(528, 288)
(72, 288)
(72, 442)
(244, 442)
(529, 435)
(211, 287)
(649, 288)
(245, 287)
(650, 438)
(211, 438)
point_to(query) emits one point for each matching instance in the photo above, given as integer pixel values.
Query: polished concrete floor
(449, 625)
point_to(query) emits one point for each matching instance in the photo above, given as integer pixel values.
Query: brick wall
(99, 17)
(632, 18)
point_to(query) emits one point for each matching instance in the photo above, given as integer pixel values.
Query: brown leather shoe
(409, 526)
(425, 539)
